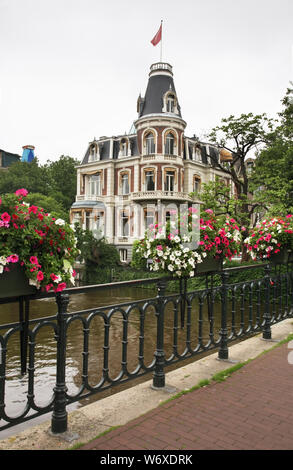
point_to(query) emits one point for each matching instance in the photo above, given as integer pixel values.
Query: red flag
(157, 38)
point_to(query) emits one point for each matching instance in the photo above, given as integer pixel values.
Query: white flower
(170, 267)
(60, 222)
(177, 239)
(191, 273)
(3, 260)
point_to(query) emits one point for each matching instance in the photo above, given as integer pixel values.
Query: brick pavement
(251, 410)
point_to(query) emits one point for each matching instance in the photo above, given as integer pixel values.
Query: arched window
(125, 183)
(150, 143)
(149, 179)
(123, 148)
(169, 145)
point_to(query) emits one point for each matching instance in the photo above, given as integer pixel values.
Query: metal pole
(267, 334)
(159, 374)
(223, 351)
(59, 415)
(161, 46)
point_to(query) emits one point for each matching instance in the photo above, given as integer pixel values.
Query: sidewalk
(250, 410)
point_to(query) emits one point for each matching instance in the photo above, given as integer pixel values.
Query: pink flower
(53, 277)
(60, 287)
(40, 276)
(21, 192)
(159, 247)
(33, 209)
(209, 211)
(34, 260)
(12, 259)
(5, 217)
(287, 216)
(48, 287)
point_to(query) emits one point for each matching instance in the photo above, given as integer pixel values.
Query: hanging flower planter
(170, 248)
(282, 257)
(37, 249)
(14, 283)
(210, 265)
(271, 240)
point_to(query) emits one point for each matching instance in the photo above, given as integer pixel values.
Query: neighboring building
(28, 153)
(126, 182)
(7, 158)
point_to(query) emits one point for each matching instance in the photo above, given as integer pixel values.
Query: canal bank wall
(86, 423)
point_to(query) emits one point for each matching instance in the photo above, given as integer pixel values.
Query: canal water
(45, 353)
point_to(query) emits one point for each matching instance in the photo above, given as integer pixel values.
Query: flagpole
(161, 40)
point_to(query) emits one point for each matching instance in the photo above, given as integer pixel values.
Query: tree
(61, 176)
(241, 137)
(216, 196)
(272, 178)
(49, 204)
(24, 175)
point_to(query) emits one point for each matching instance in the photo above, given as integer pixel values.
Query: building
(7, 158)
(128, 182)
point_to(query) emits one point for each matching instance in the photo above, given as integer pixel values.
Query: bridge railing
(158, 331)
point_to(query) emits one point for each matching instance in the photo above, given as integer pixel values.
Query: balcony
(88, 197)
(159, 194)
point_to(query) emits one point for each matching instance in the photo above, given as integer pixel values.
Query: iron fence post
(159, 374)
(59, 415)
(267, 333)
(223, 351)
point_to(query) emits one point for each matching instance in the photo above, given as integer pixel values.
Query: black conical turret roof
(160, 81)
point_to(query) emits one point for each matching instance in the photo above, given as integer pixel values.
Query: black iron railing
(198, 321)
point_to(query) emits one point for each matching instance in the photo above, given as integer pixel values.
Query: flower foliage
(187, 240)
(43, 244)
(269, 236)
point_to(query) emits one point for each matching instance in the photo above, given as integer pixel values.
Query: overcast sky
(71, 70)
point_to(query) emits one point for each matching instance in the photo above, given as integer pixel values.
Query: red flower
(40, 276)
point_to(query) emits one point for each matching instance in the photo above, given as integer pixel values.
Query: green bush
(137, 261)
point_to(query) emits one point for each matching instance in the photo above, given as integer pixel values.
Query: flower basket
(190, 244)
(15, 283)
(271, 240)
(209, 265)
(41, 244)
(283, 257)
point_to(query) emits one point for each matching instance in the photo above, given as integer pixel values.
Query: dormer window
(94, 153)
(170, 103)
(123, 148)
